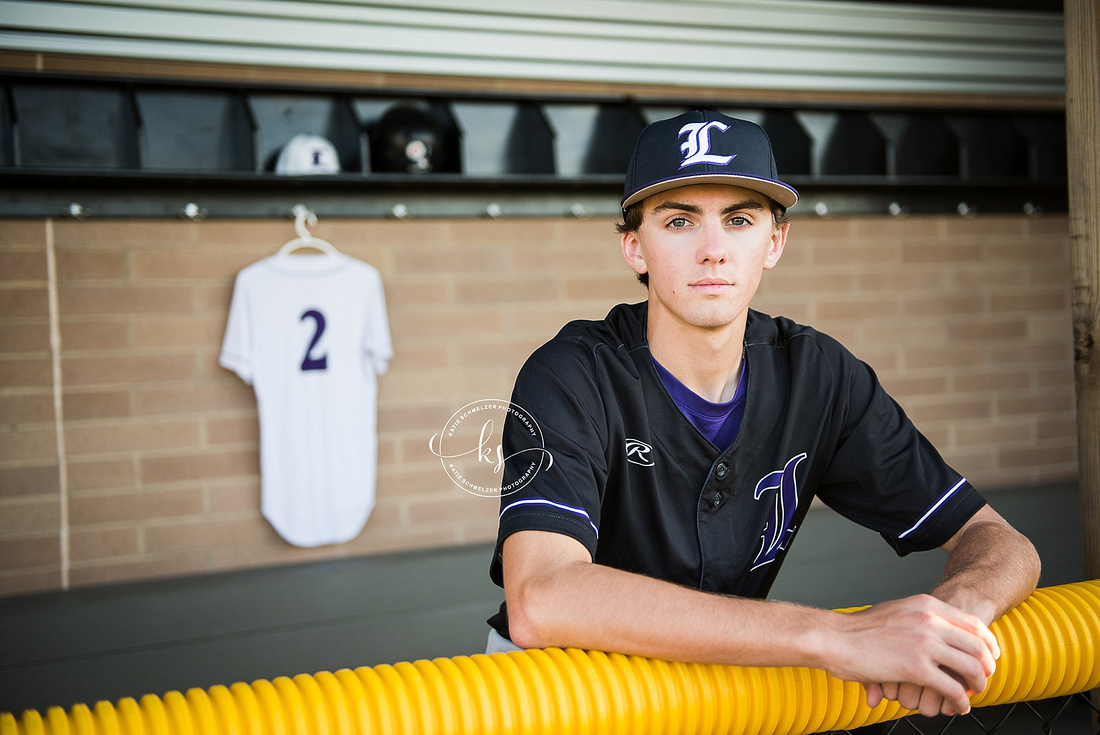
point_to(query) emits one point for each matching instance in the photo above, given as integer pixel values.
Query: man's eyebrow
(750, 204)
(678, 206)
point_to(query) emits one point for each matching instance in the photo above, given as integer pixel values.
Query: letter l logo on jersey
(776, 533)
(696, 148)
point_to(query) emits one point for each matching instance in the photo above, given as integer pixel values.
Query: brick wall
(967, 321)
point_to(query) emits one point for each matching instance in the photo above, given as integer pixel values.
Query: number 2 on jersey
(311, 361)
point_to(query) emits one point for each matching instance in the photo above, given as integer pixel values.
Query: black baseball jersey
(635, 482)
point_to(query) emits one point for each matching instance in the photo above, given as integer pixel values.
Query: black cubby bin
(391, 123)
(989, 146)
(919, 144)
(855, 147)
(279, 117)
(504, 138)
(592, 138)
(195, 130)
(99, 133)
(73, 126)
(1045, 137)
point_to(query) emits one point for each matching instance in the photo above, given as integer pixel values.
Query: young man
(688, 436)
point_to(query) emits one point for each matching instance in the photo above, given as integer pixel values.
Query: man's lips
(710, 285)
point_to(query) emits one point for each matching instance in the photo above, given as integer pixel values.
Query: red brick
(106, 571)
(856, 308)
(204, 465)
(1026, 457)
(24, 301)
(984, 331)
(235, 494)
(23, 233)
(94, 334)
(412, 291)
(104, 543)
(950, 410)
(943, 305)
(195, 264)
(22, 481)
(101, 437)
(86, 509)
(1022, 404)
(177, 332)
(77, 265)
(911, 279)
(93, 474)
(19, 265)
(226, 395)
(37, 579)
(610, 289)
(24, 408)
(432, 322)
(945, 254)
(28, 443)
(1030, 302)
(512, 290)
(24, 337)
(125, 299)
(138, 369)
(205, 533)
(29, 551)
(472, 262)
(34, 514)
(992, 380)
(110, 404)
(414, 356)
(236, 430)
(26, 373)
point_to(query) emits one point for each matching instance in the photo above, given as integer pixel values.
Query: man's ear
(632, 252)
(779, 241)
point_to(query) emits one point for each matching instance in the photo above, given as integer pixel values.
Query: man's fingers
(874, 695)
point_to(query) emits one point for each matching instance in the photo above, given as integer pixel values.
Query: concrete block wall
(138, 456)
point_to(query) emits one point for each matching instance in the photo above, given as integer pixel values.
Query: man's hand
(990, 569)
(931, 655)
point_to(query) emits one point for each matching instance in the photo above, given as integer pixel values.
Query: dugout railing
(1050, 648)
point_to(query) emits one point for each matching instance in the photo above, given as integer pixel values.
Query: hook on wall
(302, 215)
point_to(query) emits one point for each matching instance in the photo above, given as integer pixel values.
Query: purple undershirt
(718, 422)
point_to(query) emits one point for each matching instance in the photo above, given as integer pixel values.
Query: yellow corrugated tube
(1049, 645)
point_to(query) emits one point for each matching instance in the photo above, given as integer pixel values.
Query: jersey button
(721, 470)
(717, 499)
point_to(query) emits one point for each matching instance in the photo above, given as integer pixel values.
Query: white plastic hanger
(305, 240)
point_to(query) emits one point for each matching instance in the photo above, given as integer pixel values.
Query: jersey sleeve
(558, 392)
(376, 345)
(237, 344)
(885, 474)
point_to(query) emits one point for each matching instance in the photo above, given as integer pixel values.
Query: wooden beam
(1082, 19)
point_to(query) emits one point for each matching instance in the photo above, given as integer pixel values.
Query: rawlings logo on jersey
(778, 530)
(696, 148)
(637, 452)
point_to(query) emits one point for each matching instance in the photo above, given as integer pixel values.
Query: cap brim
(785, 195)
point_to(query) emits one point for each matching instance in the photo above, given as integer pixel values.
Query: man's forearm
(990, 569)
(558, 597)
(596, 607)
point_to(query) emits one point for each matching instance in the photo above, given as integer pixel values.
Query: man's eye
(678, 222)
(739, 221)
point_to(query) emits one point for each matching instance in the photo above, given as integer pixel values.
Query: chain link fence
(1075, 714)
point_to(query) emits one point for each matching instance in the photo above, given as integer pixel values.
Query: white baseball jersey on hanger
(310, 334)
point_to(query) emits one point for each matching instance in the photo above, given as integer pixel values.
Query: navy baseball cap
(703, 147)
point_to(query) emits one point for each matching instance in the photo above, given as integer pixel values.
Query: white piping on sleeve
(544, 501)
(934, 508)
